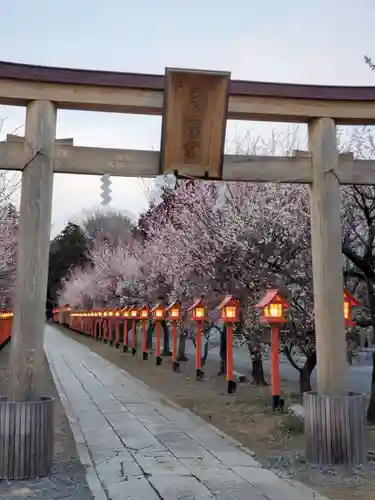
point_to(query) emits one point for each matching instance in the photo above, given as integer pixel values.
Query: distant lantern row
(172, 312)
(273, 307)
(229, 308)
(5, 314)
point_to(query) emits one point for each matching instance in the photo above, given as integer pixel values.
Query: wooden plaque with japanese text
(194, 123)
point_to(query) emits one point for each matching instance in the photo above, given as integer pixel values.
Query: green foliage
(69, 249)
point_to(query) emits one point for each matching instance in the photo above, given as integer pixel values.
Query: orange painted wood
(275, 368)
(144, 336)
(157, 326)
(174, 341)
(134, 335)
(126, 340)
(117, 326)
(229, 352)
(198, 345)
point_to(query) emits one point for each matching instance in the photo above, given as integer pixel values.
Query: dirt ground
(276, 439)
(67, 480)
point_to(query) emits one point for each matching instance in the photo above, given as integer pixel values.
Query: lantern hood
(158, 306)
(271, 295)
(176, 303)
(196, 303)
(229, 299)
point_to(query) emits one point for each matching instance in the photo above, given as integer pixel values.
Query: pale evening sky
(320, 42)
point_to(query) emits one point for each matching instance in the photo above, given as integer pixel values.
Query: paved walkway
(137, 446)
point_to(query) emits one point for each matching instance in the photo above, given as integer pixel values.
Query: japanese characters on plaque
(192, 126)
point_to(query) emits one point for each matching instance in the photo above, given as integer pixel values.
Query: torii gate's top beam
(143, 94)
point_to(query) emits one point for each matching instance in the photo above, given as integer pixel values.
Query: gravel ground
(339, 482)
(67, 480)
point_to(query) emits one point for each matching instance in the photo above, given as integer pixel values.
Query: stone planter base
(26, 438)
(335, 429)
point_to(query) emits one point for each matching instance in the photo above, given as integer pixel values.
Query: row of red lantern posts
(273, 313)
(99, 324)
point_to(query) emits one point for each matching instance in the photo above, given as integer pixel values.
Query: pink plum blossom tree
(8, 251)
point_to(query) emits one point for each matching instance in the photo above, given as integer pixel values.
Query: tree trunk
(371, 301)
(304, 381)
(205, 352)
(257, 368)
(150, 331)
(223, 352)
(166, 349)
(182, 347)
(371, 406)
(305, 373)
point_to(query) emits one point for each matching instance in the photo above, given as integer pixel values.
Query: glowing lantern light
(173, 311)
(144, 312)
(273, 306)
(198, 311)
(133, 313)
(229, 309)
(158, 312)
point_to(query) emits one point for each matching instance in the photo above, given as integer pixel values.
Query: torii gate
(195, 106)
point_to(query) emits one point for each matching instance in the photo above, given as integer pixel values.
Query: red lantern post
(117, 328)
(198, 314)
(133, 313)
(94, 320)
(349, 302)
(100, 324)
(92, 323)
(173, 312)
(125, 314)
(100, 331)
(158, 316)
(144, 314)
(84, 322)
(111, 313)
(105, 325)
(229, 313)
(273, 306)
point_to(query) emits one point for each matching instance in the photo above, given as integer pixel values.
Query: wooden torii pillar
(332, 366)
(26, 354)
(38, 145)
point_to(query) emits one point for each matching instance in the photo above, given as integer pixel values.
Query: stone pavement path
(137, 446)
